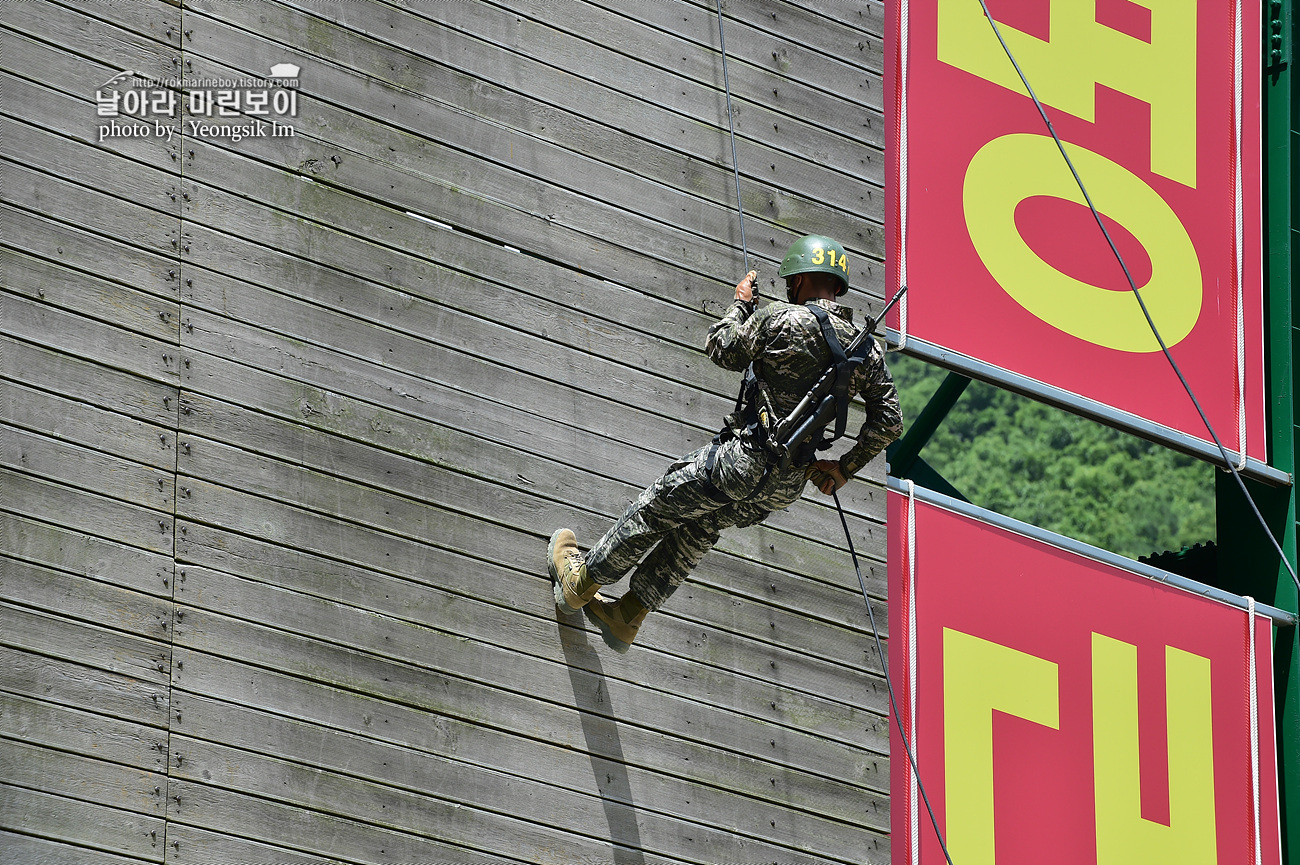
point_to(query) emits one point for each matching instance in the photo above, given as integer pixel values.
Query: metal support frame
(1089, 408)
(904, 453)
(1285, 618)
(1247, 562)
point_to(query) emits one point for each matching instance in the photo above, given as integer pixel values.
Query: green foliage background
(1053, 469)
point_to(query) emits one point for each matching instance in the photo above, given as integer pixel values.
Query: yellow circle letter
(1012, 168)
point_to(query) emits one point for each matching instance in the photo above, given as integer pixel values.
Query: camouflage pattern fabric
(784, 340)
(680, 517)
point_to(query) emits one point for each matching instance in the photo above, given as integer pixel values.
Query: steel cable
(731, 125)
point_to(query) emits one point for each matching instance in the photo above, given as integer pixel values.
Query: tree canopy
(1056, 470)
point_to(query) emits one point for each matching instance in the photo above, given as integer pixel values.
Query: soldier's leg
(655, 579)
(672, 561)
(668, 566)
(681, 495)
(661, 572)
(683, 513)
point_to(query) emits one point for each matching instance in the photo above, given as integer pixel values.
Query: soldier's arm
(734, 340)
(884, 420)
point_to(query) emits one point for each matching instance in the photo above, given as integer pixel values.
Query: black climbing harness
(796, 438)
(801, 434)
(751, 421)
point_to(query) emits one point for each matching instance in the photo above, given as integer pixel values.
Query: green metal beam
(903, 453)
(1281, 134)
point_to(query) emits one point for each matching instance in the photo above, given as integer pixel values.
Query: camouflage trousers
(679, 517)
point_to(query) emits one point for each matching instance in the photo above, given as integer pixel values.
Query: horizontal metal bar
(1098, 411)
(1097, 554)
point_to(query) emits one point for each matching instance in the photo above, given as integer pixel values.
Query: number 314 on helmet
(814, 253)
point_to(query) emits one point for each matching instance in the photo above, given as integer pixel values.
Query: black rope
(735, 167)
(1223, 452)
(893, 702)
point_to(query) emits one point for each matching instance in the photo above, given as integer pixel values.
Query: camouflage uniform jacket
(785, 343)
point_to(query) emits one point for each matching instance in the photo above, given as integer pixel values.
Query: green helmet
(814, 253)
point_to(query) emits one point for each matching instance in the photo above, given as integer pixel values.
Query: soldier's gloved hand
(745, 288)
(827, 476)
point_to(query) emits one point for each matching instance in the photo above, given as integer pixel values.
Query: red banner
(1065, 710)
(1159, 110)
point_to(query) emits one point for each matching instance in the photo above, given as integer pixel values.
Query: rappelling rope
(915, 779)
(1223, 452)
(908, 736)
(900, 106)
(731, 125)
(1254, 725)
(908, 744)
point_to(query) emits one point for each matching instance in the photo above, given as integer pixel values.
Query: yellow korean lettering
(1083, 54)
(1009, 169)
(1124, 837)
(980, 677)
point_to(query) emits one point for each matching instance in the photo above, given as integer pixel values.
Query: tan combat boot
(569, 580)
(618, 620)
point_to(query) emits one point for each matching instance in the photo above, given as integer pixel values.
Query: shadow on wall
(600, 733)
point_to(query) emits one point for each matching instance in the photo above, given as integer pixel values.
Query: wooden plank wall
(287, 421)
(89, 389)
